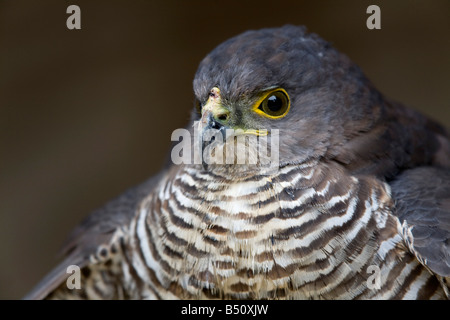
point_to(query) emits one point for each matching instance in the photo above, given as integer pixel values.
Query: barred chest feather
(305, 232)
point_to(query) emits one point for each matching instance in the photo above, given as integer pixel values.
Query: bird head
(288, 81)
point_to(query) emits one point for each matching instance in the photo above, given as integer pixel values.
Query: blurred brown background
(85, 114)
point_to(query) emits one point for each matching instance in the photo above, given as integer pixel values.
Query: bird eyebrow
(270, 88)
(258, 92)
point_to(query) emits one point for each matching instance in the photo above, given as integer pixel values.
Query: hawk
(356, 207)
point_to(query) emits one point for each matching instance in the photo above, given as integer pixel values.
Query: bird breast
(286, 235)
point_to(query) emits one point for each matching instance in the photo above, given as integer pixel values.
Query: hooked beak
(215, 119)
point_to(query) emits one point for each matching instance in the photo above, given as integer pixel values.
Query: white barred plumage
(188, 246)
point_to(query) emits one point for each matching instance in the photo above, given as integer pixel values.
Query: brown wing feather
(422, 198)
(396, 139)
(94, 231)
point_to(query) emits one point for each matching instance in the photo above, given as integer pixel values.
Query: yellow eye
(198, 106)
(274, 104)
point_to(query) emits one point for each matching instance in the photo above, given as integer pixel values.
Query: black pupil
(274, 103)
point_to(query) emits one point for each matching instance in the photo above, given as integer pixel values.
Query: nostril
(223, 117)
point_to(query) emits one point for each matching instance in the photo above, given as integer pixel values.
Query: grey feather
(422, 197)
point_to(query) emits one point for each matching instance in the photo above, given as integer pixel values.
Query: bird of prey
(356, 207)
